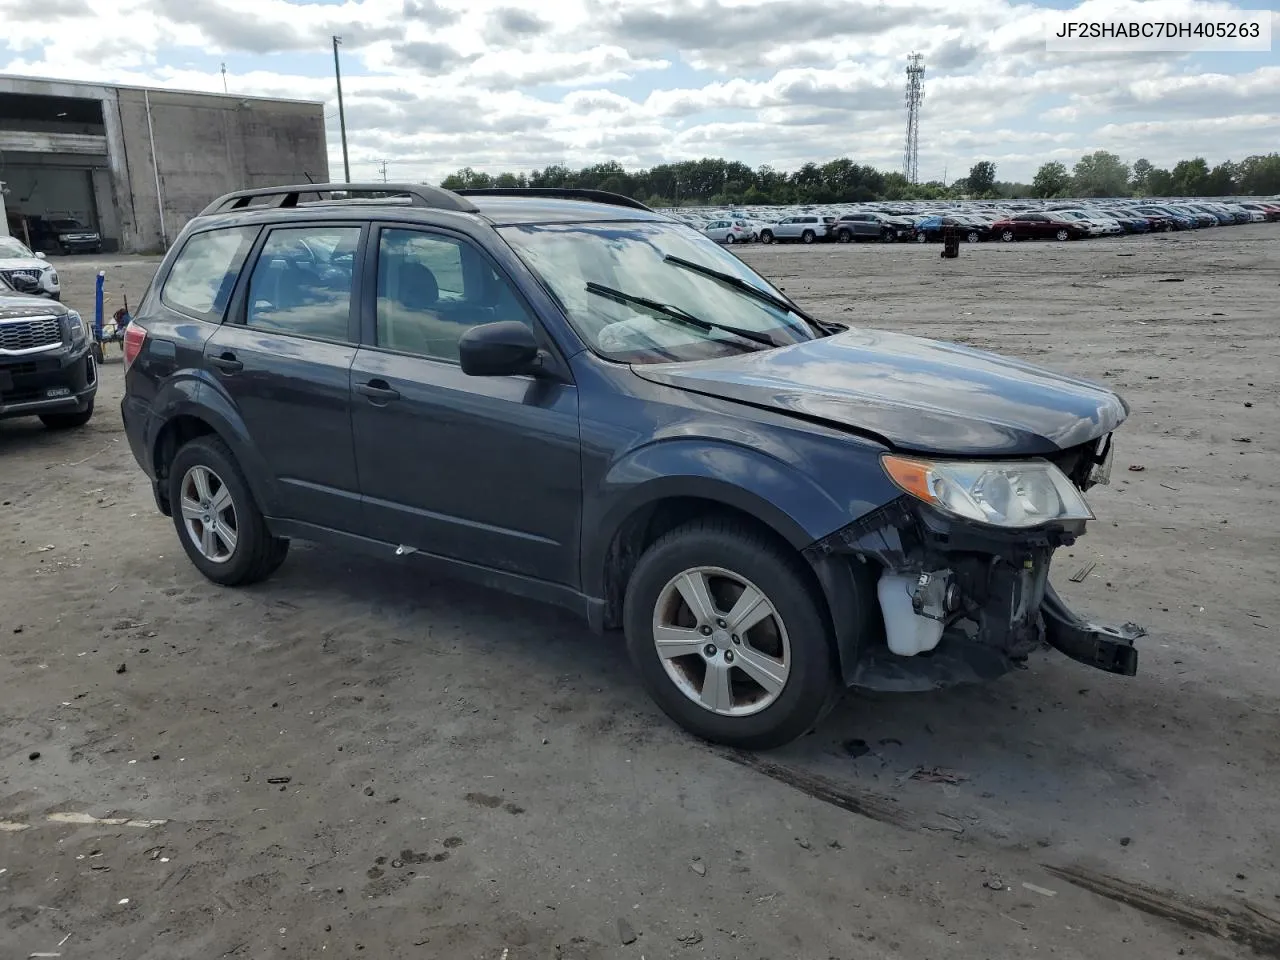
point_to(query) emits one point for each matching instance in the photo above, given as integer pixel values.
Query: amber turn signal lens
(911, 475)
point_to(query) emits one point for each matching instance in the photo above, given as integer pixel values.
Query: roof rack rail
(556, 193)
(418, 194)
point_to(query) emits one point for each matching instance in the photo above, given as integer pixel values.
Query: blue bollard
(97, 305)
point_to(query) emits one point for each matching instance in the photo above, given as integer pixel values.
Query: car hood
(23, 263)
(14, 306)
(916, 395)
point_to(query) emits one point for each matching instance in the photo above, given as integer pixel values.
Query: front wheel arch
(649, 522)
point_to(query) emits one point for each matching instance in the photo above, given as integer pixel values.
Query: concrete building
(136, 164)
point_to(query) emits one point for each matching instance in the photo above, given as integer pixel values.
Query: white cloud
(433, 85)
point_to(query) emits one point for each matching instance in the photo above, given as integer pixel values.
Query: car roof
(494, 206)
(504, 210)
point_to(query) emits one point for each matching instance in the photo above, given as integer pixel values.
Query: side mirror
(498, 349)
(40, 256)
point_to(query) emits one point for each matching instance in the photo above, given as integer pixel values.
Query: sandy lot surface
(353, 760)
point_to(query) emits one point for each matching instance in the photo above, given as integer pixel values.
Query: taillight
(134, 337)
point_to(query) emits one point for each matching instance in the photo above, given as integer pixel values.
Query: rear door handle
(227, 363)
(378, 391)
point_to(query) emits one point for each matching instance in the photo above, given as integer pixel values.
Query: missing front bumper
(987, 589)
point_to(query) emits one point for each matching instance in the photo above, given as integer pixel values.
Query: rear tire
(808, 236)
(67, 421)
(844, 236)
(256, 554)
(792, 639)
(729, 238)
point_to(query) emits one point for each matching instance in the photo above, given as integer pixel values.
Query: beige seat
(408, 314)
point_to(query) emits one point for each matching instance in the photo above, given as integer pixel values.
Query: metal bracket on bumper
(1107, 648)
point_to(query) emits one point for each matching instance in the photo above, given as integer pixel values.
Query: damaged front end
(961, 599)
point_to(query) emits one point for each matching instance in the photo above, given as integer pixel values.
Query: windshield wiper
(751, 290)
(675, 313)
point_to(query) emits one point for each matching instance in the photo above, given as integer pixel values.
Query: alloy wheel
(209, 514)
(721, 641)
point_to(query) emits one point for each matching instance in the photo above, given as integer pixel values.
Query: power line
(914, 97)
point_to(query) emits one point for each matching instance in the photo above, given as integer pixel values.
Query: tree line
(718, 182)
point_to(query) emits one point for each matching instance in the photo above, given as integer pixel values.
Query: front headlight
(999, 493)
(75, 327)
(52, 274)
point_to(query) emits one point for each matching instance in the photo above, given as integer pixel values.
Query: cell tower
(915, 95)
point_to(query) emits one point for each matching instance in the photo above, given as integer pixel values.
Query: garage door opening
(53, 163)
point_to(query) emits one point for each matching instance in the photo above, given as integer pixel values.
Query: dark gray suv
(568, 396)
(47, 369)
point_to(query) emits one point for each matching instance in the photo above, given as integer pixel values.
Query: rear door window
(204, 275)
(302, 281)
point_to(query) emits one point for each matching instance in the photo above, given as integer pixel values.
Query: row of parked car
(1070, 221)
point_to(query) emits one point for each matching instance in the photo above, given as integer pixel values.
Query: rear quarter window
(204, 274)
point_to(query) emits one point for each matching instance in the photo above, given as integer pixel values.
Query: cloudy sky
(435, 85)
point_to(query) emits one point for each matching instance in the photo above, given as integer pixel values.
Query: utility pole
(342, 114)
(224, 78)
(382, 165)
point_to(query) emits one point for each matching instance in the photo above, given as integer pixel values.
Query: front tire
(888, 236)
(729, 636)
(1007, 236)
(1062, 236)
(217, 519)
(67, 421)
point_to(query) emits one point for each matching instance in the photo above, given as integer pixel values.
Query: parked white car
(806, 228)
(1098, 223)
(729, 231)
(27, 272)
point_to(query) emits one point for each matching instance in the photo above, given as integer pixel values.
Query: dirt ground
(353, 760)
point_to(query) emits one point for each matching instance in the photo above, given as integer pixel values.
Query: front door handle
(227, 363)
(378, 391)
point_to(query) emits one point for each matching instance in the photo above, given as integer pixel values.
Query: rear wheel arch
(186, 423)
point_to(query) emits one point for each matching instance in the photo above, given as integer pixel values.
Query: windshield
(10, 247)
(68, 225)
(631, 258)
